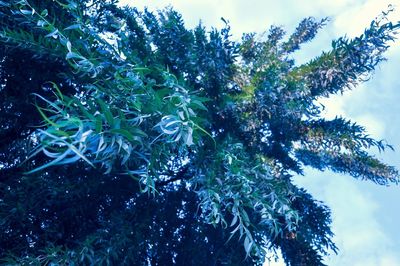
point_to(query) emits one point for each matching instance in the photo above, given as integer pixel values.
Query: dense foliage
(127, 139)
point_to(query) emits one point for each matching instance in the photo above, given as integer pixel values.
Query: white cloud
(354, 20)
(338, 105)
(373, 125)
(333, 106)
(361, 238)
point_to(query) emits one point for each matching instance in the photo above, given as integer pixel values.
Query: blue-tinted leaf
(27, 12)
(4, 4)
(73, 27)
(53, 34)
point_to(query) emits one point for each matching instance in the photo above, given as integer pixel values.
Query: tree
(128, 139)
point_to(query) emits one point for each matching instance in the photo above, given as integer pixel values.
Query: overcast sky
(365, 216)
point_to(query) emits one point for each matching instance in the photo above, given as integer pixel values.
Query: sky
(365, 215)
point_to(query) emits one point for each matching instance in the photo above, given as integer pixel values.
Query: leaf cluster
(129, 139)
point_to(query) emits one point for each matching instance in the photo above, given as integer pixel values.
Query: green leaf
(138, 132)
(199, 105)
(106, 112)
(70, 6)
(84, 110)
(58, 132)
(99, 124)
(44, 13)
(123, 132)
(141, 69)
(45, 117)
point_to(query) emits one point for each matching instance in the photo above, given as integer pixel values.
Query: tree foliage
(129, 139)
